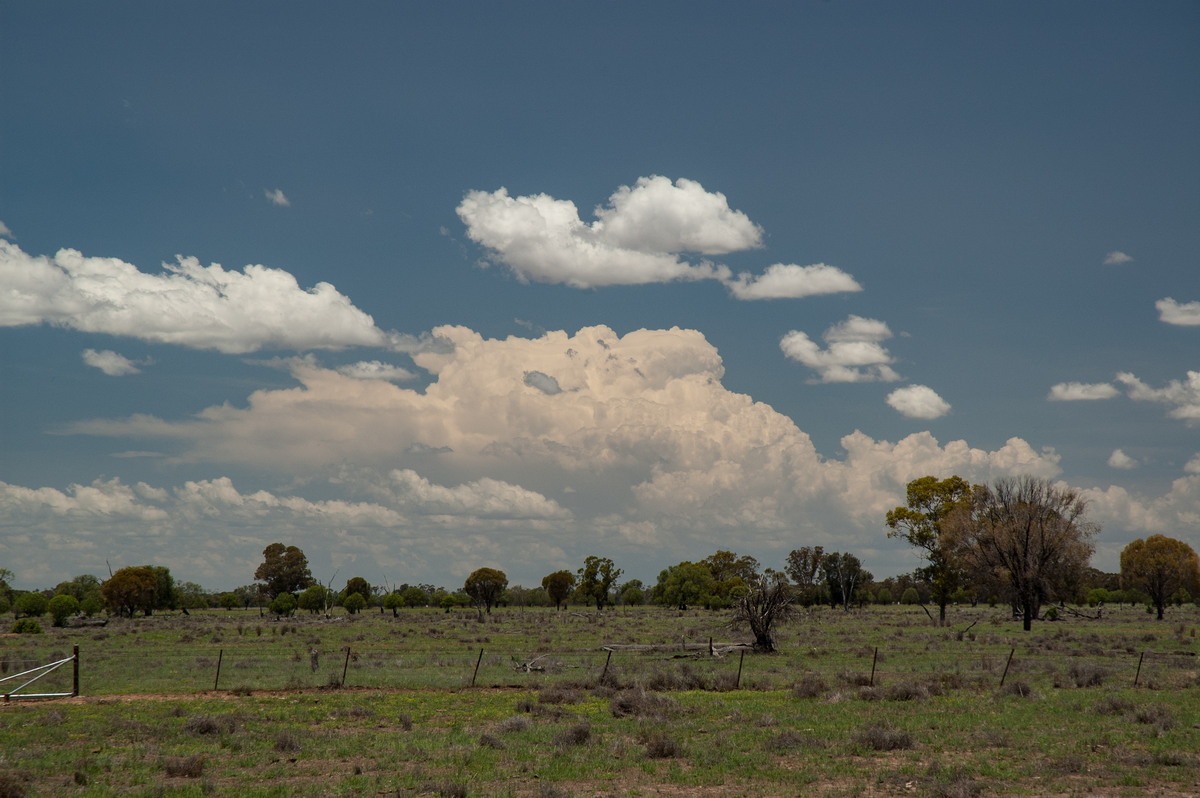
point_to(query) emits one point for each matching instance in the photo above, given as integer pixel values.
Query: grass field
(376, 705)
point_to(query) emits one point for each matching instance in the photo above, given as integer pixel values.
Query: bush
(32, 605)
(62, 607)
(659, 745)
(283, 605)
(578, 734)
(188, 767)
(639, 703)
(809, 686)
(354, 603)
(1086, 674)
(910, 596)
(26, 626)
(882, 737)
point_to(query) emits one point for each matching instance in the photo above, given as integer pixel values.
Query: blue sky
(512, 284)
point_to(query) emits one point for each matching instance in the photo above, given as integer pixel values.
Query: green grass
(935, 722)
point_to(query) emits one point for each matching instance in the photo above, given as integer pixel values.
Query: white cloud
(1183, 396)
(854, 353)
(1185, 314)
(375, 370)
(918, 401)
(1119, 460)
(111, 363)
(1192, 466)
(1082, 391)
(1116, 258)
(642, 453)
(277, 197)
(789, 281)
(202, 307)
(5, 231)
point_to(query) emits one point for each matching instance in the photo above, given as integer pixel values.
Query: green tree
(1160, 567)
(31, 605)
(632, 593)
(596, 579)
(1035, 535)
(191, 595)
(131, 589)
(80, 587)
(484, 586)
(354, 603)
(804, 567)
(62, 607)
(358, 585)
(284, 569)
(766, 604)
(230, 601)
(393, 601)
(843, 575)
(928, 522)
(910, 596)
(91, 605)
(558, 586)
(684, 584)
(415, 597)
(283, 605)
(314, 599)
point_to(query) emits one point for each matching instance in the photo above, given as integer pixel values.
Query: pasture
(533, 702)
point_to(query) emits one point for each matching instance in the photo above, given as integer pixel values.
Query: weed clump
(578, 734)
(13, 785)
(641, 704)
(207, 724)
(883, 737)
(186, 767)
(1157, 716)
(810, 686)
(1083, 674)
(791, 741)
(660, 745)
(906, 691)
(287, 742)
(1114, 705)
(559, 695)
(1018, 689)
(517, 723)
(491, 741)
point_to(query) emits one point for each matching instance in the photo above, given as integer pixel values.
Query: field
(533, 702)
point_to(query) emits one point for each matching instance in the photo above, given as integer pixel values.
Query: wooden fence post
(217, 678)
(607, 660)
(874, 659)
(1138, 675)
(476, 673)
(738, 684)
(1004, 675)
(75, 680)
(345, 666)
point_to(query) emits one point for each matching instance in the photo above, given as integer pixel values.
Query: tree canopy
(558, 586)
(1160, 566)
(284, 569)
(596, 579)
(485, 586)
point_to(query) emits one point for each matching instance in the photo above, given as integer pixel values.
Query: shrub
(906, 691)
(287, 742)
(882, 737)
(556, 694)
(516, 723)
(26, 626)
(1085, 674)
(578, 734)
(791, 740)
(640, 704)
(32, 605)
(62, 607)
(491, 741)
(283, 605)
(659, 745)
(1114, 705)
(207, 724)
(1018, 689)
(188, 767)
(809, 686)
(12, 785)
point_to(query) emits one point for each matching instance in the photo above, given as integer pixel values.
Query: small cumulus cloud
(5, 231)
(853, 354)
(111, 363)
(1119, 460)
(200, 307)
(1182, 396)
(1184, 314)
(918, 401)
(1081, 391)
(277, 197)
(1116, 258)
(789, 281)
(375, 370)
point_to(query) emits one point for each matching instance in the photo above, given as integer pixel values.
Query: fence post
(75, 679)
(1004, 675)
(738, 684)
(345, 666)
(217, 678)
(1138, 675)
(476, 673)
(607, 660)
(874, 659)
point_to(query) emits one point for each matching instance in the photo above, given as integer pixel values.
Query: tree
(559, 586)
(131, 589)
(314, 599)
(596, 578)
(1160, 566)
(843, 574)
(1033, 535)
(484, 586)
(230, 601)
(31, 605)
(80, 587)
(61, 607)
(283, 605)
(165, 595)
(415, 597)
(803, 565)
(358, 585)
(353, 603)
(632, 593)
(393, 602)
(920, 523)
(284, 569)
(767, 603)
(684, 584)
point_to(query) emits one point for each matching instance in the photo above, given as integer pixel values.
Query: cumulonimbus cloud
(639, 237)
(1186, 314)
(854, 352)
(201, 307)
(918, 401)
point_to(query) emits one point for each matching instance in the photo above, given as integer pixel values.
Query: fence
(40, 672)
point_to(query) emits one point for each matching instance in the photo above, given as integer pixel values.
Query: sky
(428, 287)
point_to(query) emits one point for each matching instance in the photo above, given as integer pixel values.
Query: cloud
(5, 231)
(1118, 459)
(1192, 466)
(1081, 391)
(201, 307)
(853, 354)
(543, 382)
(1116, 258)
(375, 370)
(111, 363)
(1185, 314)
(1183, 396)
(918, 401)
(788, 281)
(277, 197)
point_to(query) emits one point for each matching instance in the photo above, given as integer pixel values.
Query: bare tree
(766, 604)
(1032, 534)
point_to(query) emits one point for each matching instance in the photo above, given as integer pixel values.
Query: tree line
(1023, 542)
